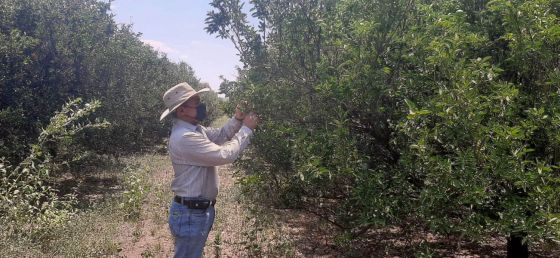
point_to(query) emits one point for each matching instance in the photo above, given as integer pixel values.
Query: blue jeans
(190, 228)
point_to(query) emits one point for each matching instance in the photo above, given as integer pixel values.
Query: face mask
(201, 112)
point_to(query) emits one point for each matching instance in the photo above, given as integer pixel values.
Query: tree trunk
(515, 246)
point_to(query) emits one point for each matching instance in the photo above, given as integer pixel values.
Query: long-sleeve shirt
(195, 151)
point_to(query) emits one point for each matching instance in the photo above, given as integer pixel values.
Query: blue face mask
(201, 112)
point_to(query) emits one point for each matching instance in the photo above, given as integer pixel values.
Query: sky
(176, 27)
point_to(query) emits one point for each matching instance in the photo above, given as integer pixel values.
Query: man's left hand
(239, 115)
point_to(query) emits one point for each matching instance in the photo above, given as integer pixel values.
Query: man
(195, 150)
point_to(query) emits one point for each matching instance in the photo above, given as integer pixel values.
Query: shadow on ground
(314, 237)
(93, 184)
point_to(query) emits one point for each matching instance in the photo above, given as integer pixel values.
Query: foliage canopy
(385, 112)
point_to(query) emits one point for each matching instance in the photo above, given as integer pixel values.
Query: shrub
(28, 201)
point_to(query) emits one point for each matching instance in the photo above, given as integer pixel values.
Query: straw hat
(174, 97)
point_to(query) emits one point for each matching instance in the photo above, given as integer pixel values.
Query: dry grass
(149, 236)
(225, 239)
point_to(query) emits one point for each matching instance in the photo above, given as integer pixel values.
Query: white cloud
(160, 46)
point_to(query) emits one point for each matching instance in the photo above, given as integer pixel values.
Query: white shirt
(196, 150)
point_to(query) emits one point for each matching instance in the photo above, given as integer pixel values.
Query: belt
(194, 204)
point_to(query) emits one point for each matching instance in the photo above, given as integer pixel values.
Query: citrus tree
(438, 113)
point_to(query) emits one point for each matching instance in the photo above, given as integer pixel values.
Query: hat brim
(169, 111)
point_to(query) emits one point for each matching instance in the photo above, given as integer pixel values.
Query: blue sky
(176, 27)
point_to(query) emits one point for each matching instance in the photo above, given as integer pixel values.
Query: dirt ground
(242, 229)
(248, 230)
(239, 229)
(149, 236)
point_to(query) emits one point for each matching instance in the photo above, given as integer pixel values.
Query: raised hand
(240, 110)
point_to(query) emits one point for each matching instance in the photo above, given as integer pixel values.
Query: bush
(29, 204)
(54, 50)
(483, 138)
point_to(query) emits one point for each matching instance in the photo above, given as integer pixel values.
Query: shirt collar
(183, 124)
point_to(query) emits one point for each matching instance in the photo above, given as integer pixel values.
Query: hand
(251, 120)
(239, 111)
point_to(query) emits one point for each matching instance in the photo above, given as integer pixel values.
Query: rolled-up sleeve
(195, 149)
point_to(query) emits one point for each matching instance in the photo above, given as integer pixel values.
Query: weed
(136, 187)
(217, 244)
